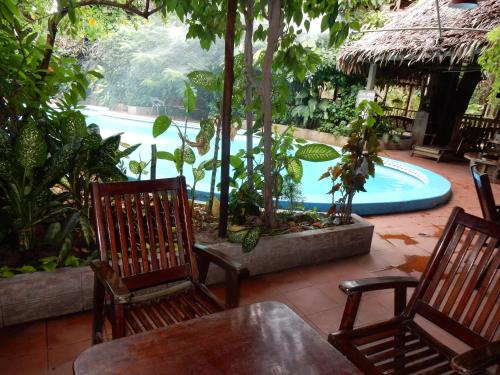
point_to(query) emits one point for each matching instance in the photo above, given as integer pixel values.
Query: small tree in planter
(359, 157)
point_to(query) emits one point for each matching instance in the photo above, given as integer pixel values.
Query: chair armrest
(355, 288)
(377, 283)
(234, 271)
(477, 360)
(111, 281)
(220, 259)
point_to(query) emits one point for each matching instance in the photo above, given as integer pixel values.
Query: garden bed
(40, 295)
(275, 253)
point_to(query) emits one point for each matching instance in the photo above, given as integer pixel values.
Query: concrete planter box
(299, 249)
(42, 295)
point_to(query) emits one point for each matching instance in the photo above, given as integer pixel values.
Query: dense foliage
(325, 99)
(490, 62)
(48, 155)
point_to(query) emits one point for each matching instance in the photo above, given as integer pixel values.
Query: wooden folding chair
(458, 292)
(151, 273)
(485, 195)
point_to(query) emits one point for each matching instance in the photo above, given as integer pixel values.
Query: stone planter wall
(42, 295)
(315, 136)
(298, 249)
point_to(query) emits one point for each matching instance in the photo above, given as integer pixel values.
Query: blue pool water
(397, 186)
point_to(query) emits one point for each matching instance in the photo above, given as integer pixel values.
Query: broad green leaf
(316, 152)
(26, 269)
(251, 239)
(307, 24)
(198, 174)
(189, 156)
(129, 150)
(235, 162)
(178, 159)
(135, 167)
(72, 261)
(236, 236)
(204, 79)
(294, 169)
(189, 98)
(30, 147)
(49, 263)
(72, 125)
(161, 125)
(6, 272)
(165, 155)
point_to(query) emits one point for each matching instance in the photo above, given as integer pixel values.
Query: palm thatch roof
(420, 48)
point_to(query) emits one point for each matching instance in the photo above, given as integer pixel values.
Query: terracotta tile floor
(401, 245)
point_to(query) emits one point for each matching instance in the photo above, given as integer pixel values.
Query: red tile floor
(401, 245)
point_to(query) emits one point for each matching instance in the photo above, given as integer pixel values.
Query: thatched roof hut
(418, 50)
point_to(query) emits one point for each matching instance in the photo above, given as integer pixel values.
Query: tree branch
(127, 7)
(263, 10)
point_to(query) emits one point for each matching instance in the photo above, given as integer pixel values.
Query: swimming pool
(397, 186)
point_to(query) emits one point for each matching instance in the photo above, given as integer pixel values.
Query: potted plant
(343, 233)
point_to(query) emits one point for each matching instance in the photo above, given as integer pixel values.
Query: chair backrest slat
(123, 235)
(460, 287)
(168, 223)
(484, 194)
(160, 230)
(144, 230)
(131, 235)
(110, 221)
(483, 270)
(178, 226)
(151, 234)
(454, 270)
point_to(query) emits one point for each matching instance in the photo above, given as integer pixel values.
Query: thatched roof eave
(406, 48)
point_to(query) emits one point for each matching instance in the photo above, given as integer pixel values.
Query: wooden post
(226, 115)
(370, 81)
(154, 158)
(410, 92)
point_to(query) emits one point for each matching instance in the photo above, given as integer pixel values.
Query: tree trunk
(249, 88)
(226, 115)
(214, 167)
(274, 32)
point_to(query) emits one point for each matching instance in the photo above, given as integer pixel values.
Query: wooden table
(484, 164)
(259, 339)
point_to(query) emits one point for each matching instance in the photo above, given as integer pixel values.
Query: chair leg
(203, 265)
(350, 311)
(118, 321)
(98, 313)
(399, 300)
(232, 290)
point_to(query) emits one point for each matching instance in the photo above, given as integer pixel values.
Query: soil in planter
(206, 225)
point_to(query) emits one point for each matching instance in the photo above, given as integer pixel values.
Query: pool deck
(401, 245)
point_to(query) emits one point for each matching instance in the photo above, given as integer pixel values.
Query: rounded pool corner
(436, 190)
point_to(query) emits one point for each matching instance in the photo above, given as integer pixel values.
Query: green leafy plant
(48, 156)
(359, 157)
(490, 62)
(287, 172)
(185, 154)
(324, 100)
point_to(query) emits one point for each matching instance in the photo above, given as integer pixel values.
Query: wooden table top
(263, 338)
(476, 157)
